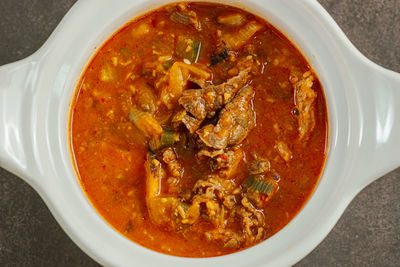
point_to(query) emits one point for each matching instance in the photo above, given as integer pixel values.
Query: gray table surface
(368, 233)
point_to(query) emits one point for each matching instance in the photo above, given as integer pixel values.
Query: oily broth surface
(110, 152)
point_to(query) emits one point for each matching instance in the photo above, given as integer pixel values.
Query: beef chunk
(235, 122)
(202, 103)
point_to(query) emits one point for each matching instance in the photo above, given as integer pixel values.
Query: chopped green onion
(167, 64)
(135, 114)
(188, 48)
(168, 138)
(195, 51)
(263, 187)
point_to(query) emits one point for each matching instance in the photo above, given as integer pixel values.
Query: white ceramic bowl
(36, 95)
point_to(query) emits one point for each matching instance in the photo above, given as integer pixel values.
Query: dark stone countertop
(368, 234)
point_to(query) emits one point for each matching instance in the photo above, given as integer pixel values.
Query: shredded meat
(210, 153)
(226, 162)
(171, 160)
(228, 237)
(252, 221)
(229, 201)
(214, 199)
(211, 192)
(254, 197)
(305, 98)
(214, 186)
(235, 122)
(283, 150)
(201, 103)
(259, 166)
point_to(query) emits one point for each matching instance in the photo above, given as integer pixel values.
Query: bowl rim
(57, 67)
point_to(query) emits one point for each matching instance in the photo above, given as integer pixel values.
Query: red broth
(111, 151)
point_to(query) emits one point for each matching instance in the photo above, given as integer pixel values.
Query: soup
(198, 130)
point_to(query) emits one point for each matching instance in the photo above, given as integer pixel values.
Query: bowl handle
(379, 135)
(17, 82)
